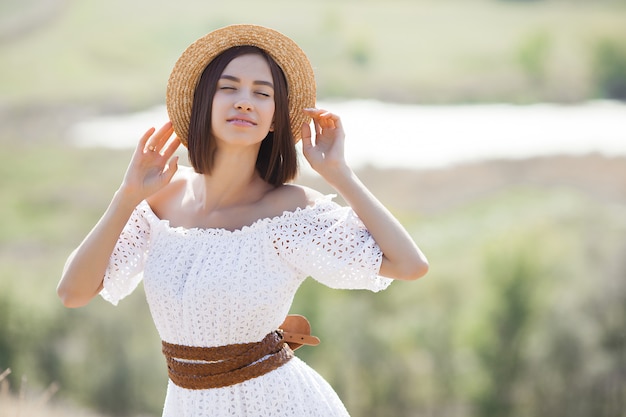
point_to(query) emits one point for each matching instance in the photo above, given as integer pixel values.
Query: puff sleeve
(331, 244)
(125, 268)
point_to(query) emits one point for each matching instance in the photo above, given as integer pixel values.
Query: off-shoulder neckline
(219, 231)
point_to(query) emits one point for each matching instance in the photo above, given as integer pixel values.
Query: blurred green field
(522, 311)
(120, 53)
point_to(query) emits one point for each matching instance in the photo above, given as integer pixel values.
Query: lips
(241, 121)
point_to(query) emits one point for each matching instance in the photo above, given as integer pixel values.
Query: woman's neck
(234, 181)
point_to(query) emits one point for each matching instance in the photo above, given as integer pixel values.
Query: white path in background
(389, 135)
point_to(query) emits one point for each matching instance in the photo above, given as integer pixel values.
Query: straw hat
(287, 54)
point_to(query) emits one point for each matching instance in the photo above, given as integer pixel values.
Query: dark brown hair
(277, 161)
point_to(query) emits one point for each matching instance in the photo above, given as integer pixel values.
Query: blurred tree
(512, 304)
(609, 68)
(533, 56)
(7, 339)
(580, 370)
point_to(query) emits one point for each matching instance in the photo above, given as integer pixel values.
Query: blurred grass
(378, 349)
(427, 334)
(121, 53)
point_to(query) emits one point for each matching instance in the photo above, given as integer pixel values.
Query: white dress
(213, 287)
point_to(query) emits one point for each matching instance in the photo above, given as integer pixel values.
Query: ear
(272, 127)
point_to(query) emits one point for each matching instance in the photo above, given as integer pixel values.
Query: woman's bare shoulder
(290, 197)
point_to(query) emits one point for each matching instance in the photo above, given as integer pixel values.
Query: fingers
(171, 147)
(323, 119)
(170, 169)
(156, 141)
(306, 135)
(144, 139)
(328, 127)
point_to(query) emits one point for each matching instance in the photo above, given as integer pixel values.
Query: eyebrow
(257, 82)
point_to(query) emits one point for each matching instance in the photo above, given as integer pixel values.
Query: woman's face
(243, 105)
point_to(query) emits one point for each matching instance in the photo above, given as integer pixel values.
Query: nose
(243, 105)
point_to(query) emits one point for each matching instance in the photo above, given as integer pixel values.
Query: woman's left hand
(326, 155)
(402, 259)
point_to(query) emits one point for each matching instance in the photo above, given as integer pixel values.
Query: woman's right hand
(151, 168)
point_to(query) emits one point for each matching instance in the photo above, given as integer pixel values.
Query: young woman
(223, 246)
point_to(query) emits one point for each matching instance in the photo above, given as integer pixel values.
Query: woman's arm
(148, 172)
(402, 259)
(85, 267)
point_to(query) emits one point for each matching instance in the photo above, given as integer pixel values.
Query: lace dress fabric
(214, 287)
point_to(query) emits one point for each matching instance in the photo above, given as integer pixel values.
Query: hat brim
(287, 54)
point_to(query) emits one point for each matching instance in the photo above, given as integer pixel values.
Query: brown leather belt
(195, 367)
